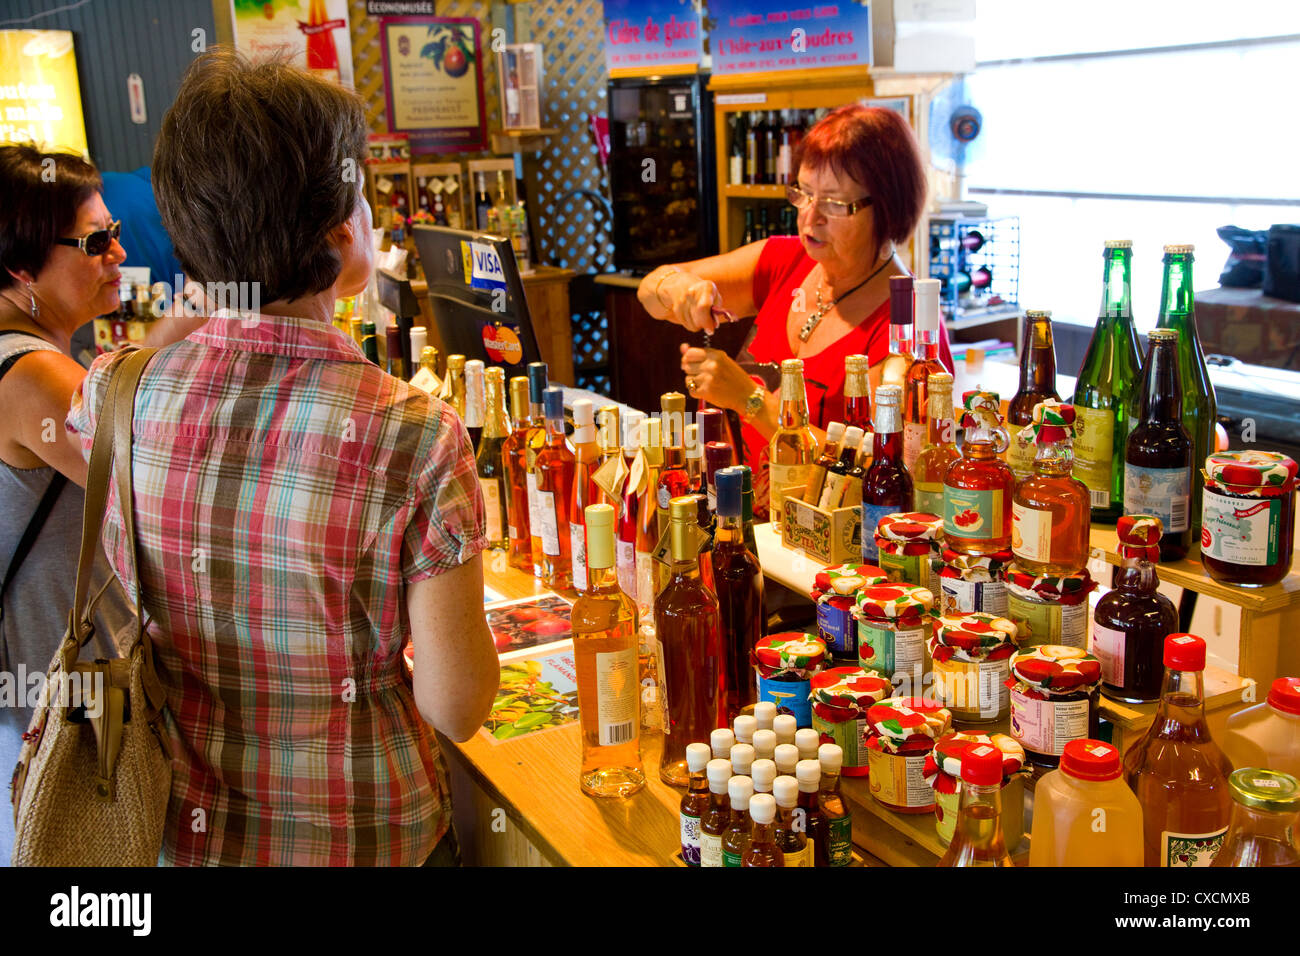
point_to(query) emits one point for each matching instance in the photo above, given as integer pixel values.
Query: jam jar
(972, 662)
(841, 697)
(908, 544)
(893, 625)
(943, 774)
(784, 665)
(901, 734)
(835, 591)
(1248, 517)
(1055, 699)
(973, 582)
(1049, 608)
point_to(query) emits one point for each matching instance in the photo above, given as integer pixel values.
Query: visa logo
(486, 263)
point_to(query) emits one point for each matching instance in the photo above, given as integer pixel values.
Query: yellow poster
(40, 99)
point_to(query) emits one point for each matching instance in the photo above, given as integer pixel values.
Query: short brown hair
(251, 173)
(877, 148)
(40, 194)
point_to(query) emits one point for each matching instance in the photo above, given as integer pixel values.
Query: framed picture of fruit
(433, 82)
(529, 622)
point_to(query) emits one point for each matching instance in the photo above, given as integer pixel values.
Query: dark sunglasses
(98, 242)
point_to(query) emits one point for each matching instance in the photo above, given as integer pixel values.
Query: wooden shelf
(754, 192)
(521, 140)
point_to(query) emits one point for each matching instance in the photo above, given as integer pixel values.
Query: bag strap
(32, 532)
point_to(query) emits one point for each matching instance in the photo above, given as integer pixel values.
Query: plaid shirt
(285, 488)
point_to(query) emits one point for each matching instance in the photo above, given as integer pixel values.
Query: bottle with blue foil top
(887, 487)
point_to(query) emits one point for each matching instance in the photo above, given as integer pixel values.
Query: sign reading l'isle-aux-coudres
(765, 36)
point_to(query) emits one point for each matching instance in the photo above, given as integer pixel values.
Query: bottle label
(929, 497)
(898, 780)
(1190, 849)
(871, 515)
(802, 857)
(736, 171)
(1094, 452)
(730, 859)
(1031, 532)
(973, 689)
(491, 488)
(790, 697)
(690, 831)
(616, 697)
(1020, 454)
(960, 596)
(578, 551)
(782, 478)
(1163, 492)
(548, 524)
(534, 520)
(837, 629)
(645, 583)
(973, 513)
(710, 849)
(1108, 647)
(1046, 726)
(913, 441)
(911, 569)
(663, 498)
(839, 840)
(625, 560)
(1241, 530)
(1046, 622)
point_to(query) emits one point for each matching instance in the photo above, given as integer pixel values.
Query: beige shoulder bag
(94, 775)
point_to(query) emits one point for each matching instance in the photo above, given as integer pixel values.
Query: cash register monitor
(477, 297)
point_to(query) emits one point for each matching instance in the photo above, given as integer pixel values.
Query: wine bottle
(489, 462)
(1037, 384)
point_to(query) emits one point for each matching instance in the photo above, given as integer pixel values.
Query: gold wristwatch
(754, 404)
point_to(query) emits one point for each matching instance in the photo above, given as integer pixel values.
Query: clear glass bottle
(887, 486)
(647, 532)
(586, 459)
(673, 478)
(830, 454)
(857, 392)
(735, 841)
(1050, 509)
(763, 849)
(534, 441)
(1158, 459)
(1265, 811)
(609, 437)
(605, 656)
(940, 448)
(514, 460)
(490, 461)
(1107, 383)
(555, 467)
(1066, 830)
(1178, 773)
(977, 839)
(1268, 734)
(1037, 384)
(695, 802)
(793, 446)
(1131, 621)
(713, 823)
(791, 828)
(627, 518)
(917, 389)
(687, 626)
(839, 823)
(899, 360)
(738, 578)
(977, 488)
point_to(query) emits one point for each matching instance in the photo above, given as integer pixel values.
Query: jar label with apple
(1241, 530)
(899, 779)
(973, 513)
(1094, 452)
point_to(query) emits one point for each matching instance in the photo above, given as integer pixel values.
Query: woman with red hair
(823, 295)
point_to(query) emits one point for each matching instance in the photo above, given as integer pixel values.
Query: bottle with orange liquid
(514, 460)
(555, 467)
(534, 441)
(977, 840)
(1084, 813)
(916, 390)
(1050, 510)
(586, 459)
(977, 488)
(763, 849)
(940, 448)
(1178, 773)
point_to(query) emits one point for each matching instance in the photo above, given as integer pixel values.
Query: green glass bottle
(749, 235)
(369, 343)
(1108, 378)
(1178, 311)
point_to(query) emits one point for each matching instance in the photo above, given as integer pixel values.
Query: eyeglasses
(831, 208)
(96, 243)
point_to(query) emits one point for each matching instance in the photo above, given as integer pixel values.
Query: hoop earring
(36, 310)
(889, 253)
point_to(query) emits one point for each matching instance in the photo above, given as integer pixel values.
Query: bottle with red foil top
(1050, 511)
(887, 487)
(1177, 772)
(1248, 517)
(978, 487)
(916, 391)
(1132, 621)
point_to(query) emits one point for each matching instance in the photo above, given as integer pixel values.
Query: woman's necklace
(806, 332)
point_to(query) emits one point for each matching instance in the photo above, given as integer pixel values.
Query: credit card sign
(482, 266)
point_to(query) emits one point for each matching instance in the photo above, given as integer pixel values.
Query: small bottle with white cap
(765, 714)
(809, 775)
(839, 824)
(720, 742)
(763, 850)
(785, 726)
(735, 841)
(765, 744)
(742, 759)
(695, 801)
(715, 819)
(763, 772)
(791, 826)
(745, 725)
(807, 740)
(786, 756)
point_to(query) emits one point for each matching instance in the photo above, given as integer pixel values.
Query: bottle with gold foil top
(916, 391)
(1037, 384)
(555, 468)
(899, 360)
(1103, 395)
(586, 455)
(515, 468)
(534, 441)
(605, 656)
(609, 439)
(1050, 509)
(490, 461)
(688, 629)
(673, 478)
(453, 385)
(794, 446)
(857, 392)
(940, 448)
(977, 488)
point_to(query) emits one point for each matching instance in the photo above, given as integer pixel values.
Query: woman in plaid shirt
(299, 513)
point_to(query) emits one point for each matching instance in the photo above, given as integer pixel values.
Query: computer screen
(477, 297)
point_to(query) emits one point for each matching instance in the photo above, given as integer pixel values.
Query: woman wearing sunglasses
(59, 263)
(820, 296)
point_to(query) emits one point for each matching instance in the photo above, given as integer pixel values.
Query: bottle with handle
(1066, 805)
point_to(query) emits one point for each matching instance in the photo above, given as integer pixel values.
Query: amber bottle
(977, 489)
(1037, 384)
(1050, 510)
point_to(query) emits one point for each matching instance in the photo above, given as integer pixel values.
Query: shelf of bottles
(978, 262)
(759, 147)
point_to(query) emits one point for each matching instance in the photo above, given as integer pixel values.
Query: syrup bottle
(839, 823)
(1050, 510)
(1178, 773)
(977, 840)
(713, 823)
(694, 802)
(791, 828)
(735, 841)
(763, 850)
(809, 775)
(977, 488)
(887, 487)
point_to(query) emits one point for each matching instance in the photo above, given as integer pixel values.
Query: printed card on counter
(538, 692)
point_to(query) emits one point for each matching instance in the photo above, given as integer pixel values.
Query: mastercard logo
(502, 344)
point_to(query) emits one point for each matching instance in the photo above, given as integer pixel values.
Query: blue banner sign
(644, 36)
(764, 36)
